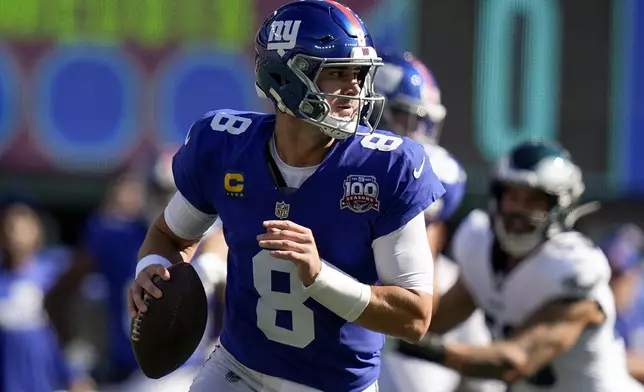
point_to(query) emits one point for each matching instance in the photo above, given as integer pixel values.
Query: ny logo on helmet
(283, 35)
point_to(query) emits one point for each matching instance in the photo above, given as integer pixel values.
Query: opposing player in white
(403, 373)
(414, 109)
(543, 286)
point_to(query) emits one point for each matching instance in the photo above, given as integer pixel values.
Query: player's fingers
(158, 269)
(288, 255)
(284, 234)
(286, 225)
(145, 281)
(282, 245)
(131, 307)
(137, 298)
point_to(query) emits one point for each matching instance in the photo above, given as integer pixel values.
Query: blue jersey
(31, 358)
(452, 175)
(366, 187)
(114, 246)
(630, 322)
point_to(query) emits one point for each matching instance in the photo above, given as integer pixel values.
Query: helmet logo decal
(283, 35)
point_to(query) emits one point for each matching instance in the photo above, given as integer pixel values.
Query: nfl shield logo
(282, 209)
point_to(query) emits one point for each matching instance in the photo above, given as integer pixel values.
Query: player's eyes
(353, 73)
(343, 74)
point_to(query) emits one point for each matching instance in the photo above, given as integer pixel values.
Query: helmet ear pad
(286, 88)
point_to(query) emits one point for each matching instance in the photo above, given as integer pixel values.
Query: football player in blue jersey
(414, 109)
(324, 217)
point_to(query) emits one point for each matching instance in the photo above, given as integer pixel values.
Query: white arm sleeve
(185, 220)
(403, 257)
(214, 228)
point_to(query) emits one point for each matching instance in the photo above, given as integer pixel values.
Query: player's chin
(344, 113)
(344, 119)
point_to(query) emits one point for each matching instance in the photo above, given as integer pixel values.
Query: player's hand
(143, 282)
(290, 241)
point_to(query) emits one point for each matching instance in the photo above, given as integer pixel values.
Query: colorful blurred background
(93, 89)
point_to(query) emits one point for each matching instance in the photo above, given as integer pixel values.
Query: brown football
(164, 337)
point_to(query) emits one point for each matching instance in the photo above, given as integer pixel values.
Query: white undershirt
(294, 176)
(402, 257)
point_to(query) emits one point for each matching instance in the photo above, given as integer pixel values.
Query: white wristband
(149, 260)
(211, 269)
(339, 292)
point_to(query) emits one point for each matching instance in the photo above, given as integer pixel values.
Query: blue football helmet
(413, 106)
(300, 39)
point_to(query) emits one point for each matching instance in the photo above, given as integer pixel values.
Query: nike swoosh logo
(420, 169)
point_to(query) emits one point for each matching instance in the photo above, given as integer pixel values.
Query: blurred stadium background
(92, 89)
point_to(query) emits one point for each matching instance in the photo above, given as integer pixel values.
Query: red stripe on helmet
(355, 22)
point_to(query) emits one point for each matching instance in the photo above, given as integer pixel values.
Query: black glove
(430, 348)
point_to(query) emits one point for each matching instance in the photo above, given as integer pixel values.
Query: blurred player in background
(109, 248)
(31, 356)
(160, 183)
(108, 245)
(414, 109)
(623, 248)
(543, 286)
(316, 210)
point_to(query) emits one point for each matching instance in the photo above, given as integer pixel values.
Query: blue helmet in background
(300, 39)
(413, 105)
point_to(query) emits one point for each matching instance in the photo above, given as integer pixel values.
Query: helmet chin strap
(340, 128)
